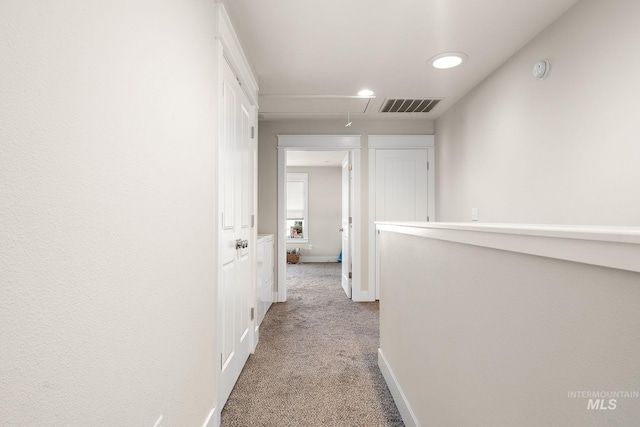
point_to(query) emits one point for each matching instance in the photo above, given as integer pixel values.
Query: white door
(235, 191)
(401, 187)
(346, 226)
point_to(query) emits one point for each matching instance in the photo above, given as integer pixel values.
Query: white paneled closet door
(236, 196)
(402, 185)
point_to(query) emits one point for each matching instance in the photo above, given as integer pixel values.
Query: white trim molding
(304, 178)
(213, 419)
(234, 54)
(399, 142)
(612, 247)
(400, 399)
(320, 143)
(281, 241)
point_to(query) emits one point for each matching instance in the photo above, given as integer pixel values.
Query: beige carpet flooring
(316, 361)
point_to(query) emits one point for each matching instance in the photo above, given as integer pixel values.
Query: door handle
(341, 229)
(242, 244)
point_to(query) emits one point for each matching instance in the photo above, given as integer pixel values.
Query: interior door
(401, 185)
(402, 190)
(346, 226)
(235, 252)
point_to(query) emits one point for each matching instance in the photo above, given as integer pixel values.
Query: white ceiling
(312, 57)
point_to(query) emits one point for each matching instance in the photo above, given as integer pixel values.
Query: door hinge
(221, 362)
(252, 313)
(253, 221)
(427, 165)
(253, 130)
(427, 218)
(350, 167)
(350, 220)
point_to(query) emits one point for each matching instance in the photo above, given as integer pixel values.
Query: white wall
(486, 337)
(512, 334)
(325, 212)
(106, 212)
(563, 150)
(268, 163)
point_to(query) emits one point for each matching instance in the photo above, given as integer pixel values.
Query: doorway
(236, 232)
(322, 148)
(401, 185)
(318, 209)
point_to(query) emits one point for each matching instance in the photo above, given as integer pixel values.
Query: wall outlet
(474, 214)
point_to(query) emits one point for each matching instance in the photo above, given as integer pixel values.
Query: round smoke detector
(541, 69)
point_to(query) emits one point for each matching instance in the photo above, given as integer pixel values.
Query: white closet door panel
(225, 293)
(236, 253)
(401, 185)
(228, 153)
(246, 177)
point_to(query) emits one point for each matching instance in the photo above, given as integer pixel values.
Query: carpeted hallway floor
(316, 361)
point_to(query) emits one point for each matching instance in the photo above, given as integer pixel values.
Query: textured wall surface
(106, 212)
(480, 336)
(563, 150)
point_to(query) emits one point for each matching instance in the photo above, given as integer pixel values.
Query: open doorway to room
(318, 197)
(317, 201)
(314, 204)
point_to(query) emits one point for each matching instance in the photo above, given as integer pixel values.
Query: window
(297, 207)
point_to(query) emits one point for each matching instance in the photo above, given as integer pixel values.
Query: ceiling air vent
(409, 105)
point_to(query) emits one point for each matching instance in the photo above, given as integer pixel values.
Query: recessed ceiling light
(448, 60)
(365, 92)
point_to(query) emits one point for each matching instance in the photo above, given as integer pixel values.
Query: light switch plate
(474, 214)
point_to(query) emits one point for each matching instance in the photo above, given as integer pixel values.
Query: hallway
(316, 361)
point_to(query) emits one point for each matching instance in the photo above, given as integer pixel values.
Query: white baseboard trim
(402, 404)
(362, 296)
(213, 420)
(256, 338)
(318, 259)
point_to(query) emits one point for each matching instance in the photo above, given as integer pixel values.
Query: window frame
(304, 178)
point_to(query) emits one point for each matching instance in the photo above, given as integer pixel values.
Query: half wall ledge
(613, 247)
